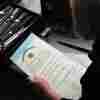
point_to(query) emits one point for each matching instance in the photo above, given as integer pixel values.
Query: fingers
(44, 85)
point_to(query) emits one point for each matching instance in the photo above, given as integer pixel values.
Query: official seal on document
(35, 55)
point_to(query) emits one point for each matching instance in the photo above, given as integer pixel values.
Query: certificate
(35, 56)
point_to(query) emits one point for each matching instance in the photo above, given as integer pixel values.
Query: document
(35, 56)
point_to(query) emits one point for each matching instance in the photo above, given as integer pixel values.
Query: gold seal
(34, 55)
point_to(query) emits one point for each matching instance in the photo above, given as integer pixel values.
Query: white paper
(36, 56)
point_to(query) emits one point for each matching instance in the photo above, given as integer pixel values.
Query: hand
(45, 87)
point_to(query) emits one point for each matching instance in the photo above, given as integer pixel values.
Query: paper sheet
(36, 56)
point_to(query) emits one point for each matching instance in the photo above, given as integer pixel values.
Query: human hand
(44, 86)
